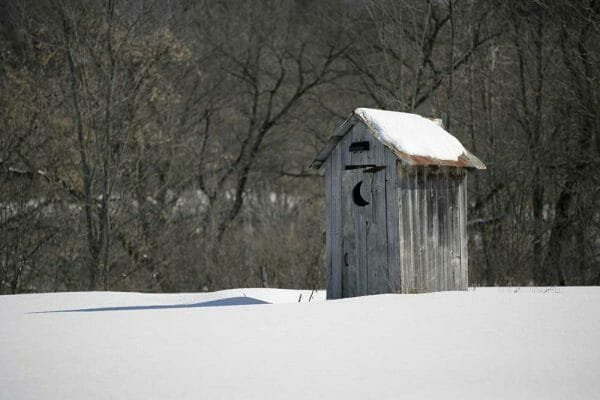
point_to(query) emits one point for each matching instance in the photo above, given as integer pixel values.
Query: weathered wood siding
(410, 238)
(333, 192)
(432, 229)
(362, 257)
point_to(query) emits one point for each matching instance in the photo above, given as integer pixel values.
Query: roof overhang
(465, 160)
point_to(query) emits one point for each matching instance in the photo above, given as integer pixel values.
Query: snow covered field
(505, 343)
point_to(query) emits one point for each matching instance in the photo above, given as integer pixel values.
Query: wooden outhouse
(396, 203)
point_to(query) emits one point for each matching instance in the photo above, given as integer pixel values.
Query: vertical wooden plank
(426, 217)
(433, 239)
(443, 222)
(370, 214)
(423, 230)
(424, 262)
(416, 231)
(328, 228)
(439, 206)
(355, 158)
(450, 221)
(440, 211)
(464, 256)
(433, 226)
(458, 233)
(393, 205)
(450, 236)
(377, 240)
(362, 135)
(360, 230)
(358, 135)
(403, 241)
(412, 231)
(404, 227)
(409, 229)
(343, 146)
(348, 255)
(336, 225)
(377, 155)
(456, 245)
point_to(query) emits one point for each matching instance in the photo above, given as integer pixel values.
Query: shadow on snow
(232, 301)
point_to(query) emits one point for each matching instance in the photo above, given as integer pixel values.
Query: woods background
(163, 145)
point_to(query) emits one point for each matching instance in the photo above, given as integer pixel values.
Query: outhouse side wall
(377, 237)
(432, 229)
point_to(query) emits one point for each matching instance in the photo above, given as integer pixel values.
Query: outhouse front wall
(361, 257)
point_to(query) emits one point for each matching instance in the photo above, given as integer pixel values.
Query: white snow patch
(411, 134)
(494, 343)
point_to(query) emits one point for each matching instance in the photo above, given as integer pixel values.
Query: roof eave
(339, 133)
(466, 160)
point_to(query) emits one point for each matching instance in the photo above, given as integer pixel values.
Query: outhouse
(396, 204)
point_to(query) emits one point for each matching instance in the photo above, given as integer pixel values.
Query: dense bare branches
(161, 146)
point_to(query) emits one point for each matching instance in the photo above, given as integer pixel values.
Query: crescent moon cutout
(356, 196)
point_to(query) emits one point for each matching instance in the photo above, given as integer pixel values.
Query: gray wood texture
(350, 251)
(392, 226)
(363, 258)
(376, 231)
(411, 236)
(329, 206)
(333, 184)
(433, 236)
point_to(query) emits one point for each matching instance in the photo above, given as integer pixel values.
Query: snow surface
(493, 343)
(411, 134)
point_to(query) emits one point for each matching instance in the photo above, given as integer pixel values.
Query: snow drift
(261, 344)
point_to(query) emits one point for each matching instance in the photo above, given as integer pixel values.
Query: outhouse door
(364, 231)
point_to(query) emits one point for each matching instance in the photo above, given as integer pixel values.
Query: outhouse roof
(412, 138)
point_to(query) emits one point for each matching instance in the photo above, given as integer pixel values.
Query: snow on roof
(411, 134)
(412, 138)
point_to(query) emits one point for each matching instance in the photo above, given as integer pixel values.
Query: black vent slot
(359, 146)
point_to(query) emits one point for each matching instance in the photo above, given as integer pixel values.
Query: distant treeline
(163, 145)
